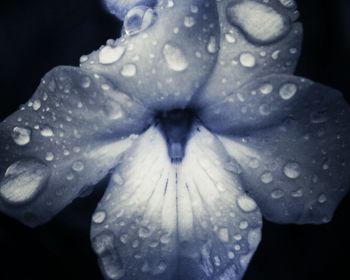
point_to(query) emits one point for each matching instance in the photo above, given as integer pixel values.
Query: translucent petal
(257, 38)
(160, 220)
(178, 47)
(295, 160)
(121, 7)
(63, 140)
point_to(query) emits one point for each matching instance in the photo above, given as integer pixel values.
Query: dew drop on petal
(288, 3)
(78, 166)
(23, 181)
(49, 156)
(247, 60)
(138, 19)
(99, 217)
(260, 23)
(189, 21)
(292, 170)
(223, 235)
(212, 45)
(246, 204)
(128, 70)
(267, 178)
(266, 89)
(288, 90)
(36, 105)
(230, 38)
(46, 131)
(175, 58)
(109, 55)
(21, 135)
(322, 199)
(277, 194)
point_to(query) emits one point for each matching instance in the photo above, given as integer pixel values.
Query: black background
(38, 35)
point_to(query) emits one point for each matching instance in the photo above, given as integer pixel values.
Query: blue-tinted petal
(160, 220)
(295, 159)
(165, 63)
(63, 140)
(121, 7)
(257, 38)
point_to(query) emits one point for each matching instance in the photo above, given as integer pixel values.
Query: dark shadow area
(38, 35)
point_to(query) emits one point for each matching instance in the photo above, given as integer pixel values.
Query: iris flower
(196, 114)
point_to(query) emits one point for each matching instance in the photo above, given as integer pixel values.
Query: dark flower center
(176, 126)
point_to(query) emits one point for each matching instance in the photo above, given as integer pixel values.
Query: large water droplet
(138, 19)
(175, 58)
(247, 60)
(23, 181)
(288, 90)
(109, 55)
(21, 135)
(259, 23)
(246, 204)
(292, 170)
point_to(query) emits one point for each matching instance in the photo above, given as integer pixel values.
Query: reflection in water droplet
(138, 19)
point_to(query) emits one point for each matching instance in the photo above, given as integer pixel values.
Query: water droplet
(99, 217)
(109, 55)
(212, 45)
(288, 3)
(277, 194)
(254, 163)
(85, 82)
(78, 166)
(23, 181)
(231, 255)
(319, 117)
(322, 199)
(267, 178)
(144, 232)
(243, 225)
(223, 235)
(292, 170)
(288, 90)
(247, 60)
(138, 19)
(124, 238)
(36, 105)
(175, 58)
(259, 23)
(230, 38)
(49, 156)
(266, 88)
(128, 70)
(21, 135)
(246, 204)
(47, 131)
(298, 193)
(264, 110)
(189, 21)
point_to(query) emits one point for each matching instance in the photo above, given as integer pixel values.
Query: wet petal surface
(294, 152)
(257, 38)
(160, 220)
(120, 8)
(63, 140)
(173, 44)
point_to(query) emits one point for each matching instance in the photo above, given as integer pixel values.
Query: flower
(204, 129)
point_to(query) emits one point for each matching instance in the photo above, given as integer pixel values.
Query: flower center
(176, 126)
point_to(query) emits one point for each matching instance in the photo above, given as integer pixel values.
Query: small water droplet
(212, 45)
(46, 131)
(99, 217)
(223, 235)
(322, 199)
(78, 166)
(85, 82)
(49, 156)
(277, 194)
(129, 70)
(36, 105)
(267, 178)
(243, 225)
(266, 88)
(288, 90)
(292, 170)
(189, 21)
(246, 204)
(230, 38)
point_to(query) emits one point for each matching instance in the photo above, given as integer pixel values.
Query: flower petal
(295, 159)
(63, 140)
(257, 39)
(174, 44)
(160, 220)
